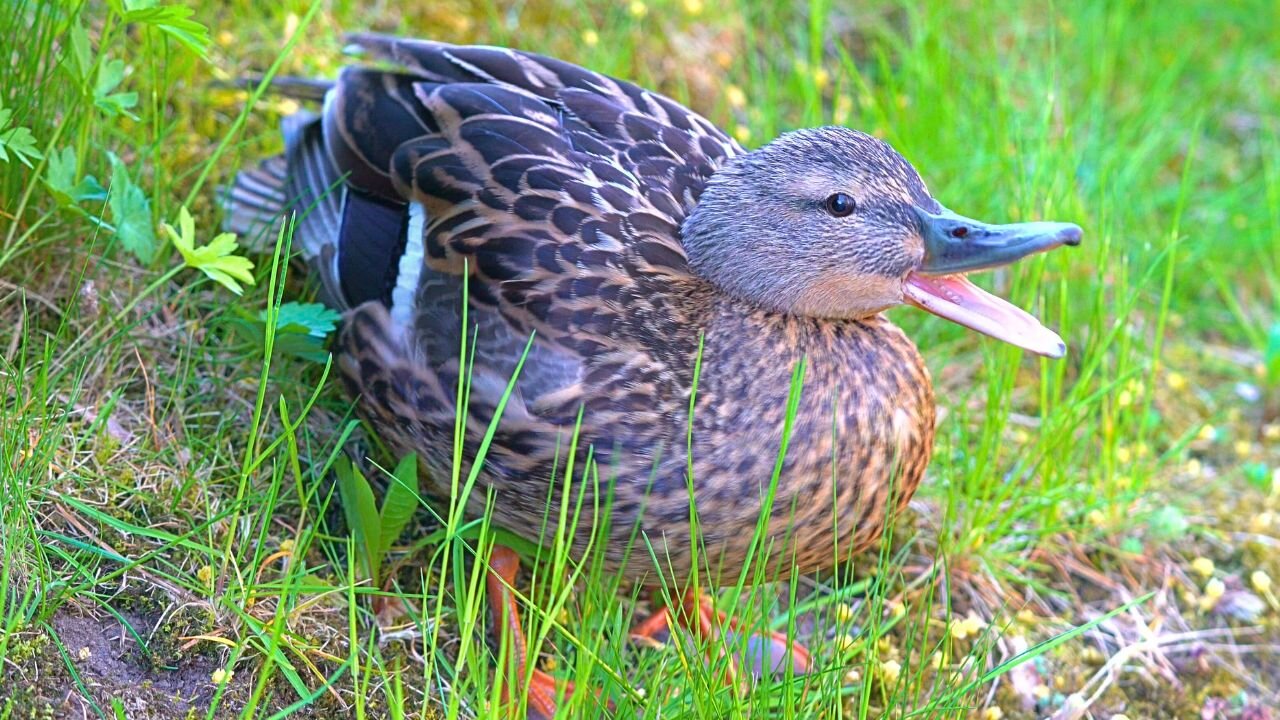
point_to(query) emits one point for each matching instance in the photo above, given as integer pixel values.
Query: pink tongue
(955, 298)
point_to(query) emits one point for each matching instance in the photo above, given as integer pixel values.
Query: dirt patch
(101, 662)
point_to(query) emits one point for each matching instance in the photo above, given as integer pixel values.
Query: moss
(167, 647)
(24, 650)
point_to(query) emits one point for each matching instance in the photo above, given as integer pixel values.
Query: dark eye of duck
(840, 205)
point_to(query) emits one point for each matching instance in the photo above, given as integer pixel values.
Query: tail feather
(283, 85)
(255, 202)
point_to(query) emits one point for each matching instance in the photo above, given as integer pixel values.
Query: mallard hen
(646, 254)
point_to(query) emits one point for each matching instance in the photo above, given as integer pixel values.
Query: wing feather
(560, 190)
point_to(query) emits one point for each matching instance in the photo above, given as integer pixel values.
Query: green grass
(166, 456)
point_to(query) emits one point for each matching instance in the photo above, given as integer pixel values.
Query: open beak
(955, 244)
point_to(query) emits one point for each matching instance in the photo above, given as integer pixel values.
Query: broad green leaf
(110, 75)
(81, 50)
(60, 178)
(400, 502)
(131, 213)
(173, 20)
(60, 175)
(311, 319)
(362, 514)
(17, 140)
(217, 259)
(301, 329)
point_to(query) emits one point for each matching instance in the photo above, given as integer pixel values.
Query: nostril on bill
(959, 232)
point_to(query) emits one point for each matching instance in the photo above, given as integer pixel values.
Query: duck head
(834, 223)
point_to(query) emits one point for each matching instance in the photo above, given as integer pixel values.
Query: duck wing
(559, 192)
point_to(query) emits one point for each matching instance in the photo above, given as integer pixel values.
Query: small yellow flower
(1194, 467)
(637, 9)
(890, 671)
(742, 133)
(222, 676)
(1262, 522)
(1203, 567)
(969, 626)
(1124, 399)
(1176, 381)
(884, 645)
(976, 624)
(205, 575)
(549, 664)
(736, 97)
(1123, 455)
(1041, 691)
(821, 78)
(1271, 431)
(1026, 617)
(590, 38)
(1213, 591)
(693, 7)
(935, 661)
(1208, 433)
(1096, 518)
(1260, 581)
(286, 546)
(1260, 371)
(1214, 588)
(85, 653)
(993, 713)
(846, 643)
(853, 677)
(1243, 448)
(225, 38)
(1021, 437)
(844, 613)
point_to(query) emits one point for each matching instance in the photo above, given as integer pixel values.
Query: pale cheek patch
(849, 296)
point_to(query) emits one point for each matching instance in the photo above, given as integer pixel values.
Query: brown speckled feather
(561, 194)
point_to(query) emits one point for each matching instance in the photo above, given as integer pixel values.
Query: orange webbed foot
(761, 653)
(542, 692)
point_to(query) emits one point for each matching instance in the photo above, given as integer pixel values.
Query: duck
(701, 323)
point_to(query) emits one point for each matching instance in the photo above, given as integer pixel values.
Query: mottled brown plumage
(634, 242)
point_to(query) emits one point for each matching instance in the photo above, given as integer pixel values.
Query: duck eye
(840, 205)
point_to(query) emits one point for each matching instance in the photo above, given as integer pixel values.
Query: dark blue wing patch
(370, 244)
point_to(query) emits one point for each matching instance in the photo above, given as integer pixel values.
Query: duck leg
(541, 691)
(764, 652)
